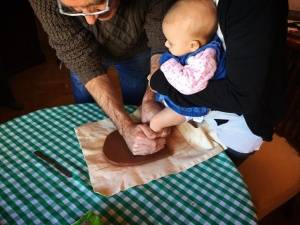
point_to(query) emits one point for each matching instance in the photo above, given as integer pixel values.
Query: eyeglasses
(71, 12)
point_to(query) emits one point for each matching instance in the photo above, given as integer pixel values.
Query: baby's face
(178, 42)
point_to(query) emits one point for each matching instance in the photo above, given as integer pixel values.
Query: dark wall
(19, 44)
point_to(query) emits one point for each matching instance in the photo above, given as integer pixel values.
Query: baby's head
(188, 25)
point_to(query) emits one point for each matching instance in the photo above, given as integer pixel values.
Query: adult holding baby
(244, 106)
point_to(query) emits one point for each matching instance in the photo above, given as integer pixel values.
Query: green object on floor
(90, 218)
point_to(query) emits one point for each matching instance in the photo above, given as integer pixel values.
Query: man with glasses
(91, 35)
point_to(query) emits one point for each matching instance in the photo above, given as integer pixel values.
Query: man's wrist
(105, 95)
(149, 96)
(124, 125)
(154, 63)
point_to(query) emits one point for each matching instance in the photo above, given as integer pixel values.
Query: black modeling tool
(53, 163)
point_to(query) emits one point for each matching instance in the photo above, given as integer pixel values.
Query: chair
(272, 175)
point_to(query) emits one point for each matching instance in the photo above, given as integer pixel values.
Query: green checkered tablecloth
(33, 192)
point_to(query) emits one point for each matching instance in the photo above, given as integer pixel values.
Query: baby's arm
(194, 76)
(165, 118)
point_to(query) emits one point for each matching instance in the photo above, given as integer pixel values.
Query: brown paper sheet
(190, 146)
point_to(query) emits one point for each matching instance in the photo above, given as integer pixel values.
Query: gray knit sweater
(136, 26)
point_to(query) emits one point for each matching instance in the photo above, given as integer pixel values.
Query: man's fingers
(141, 140)
(165, 132)
(160, 142)
(147, 131)
(145, 147)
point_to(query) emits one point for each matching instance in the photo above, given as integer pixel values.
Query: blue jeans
(132, 75)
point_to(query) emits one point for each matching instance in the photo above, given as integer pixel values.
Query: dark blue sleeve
(158, 82)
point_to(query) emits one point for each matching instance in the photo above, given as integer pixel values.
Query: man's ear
(194, 45)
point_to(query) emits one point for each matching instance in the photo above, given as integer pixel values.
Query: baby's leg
(166, 118)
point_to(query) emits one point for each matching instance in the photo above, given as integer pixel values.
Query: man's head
(92, 6)
(188, 25)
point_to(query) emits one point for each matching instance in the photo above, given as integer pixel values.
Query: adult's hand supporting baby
(141, 140)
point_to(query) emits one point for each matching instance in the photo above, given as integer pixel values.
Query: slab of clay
(116, 152)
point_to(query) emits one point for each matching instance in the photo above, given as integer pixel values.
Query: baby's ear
(194, 45)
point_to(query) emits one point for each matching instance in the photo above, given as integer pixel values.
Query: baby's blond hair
(196, 17)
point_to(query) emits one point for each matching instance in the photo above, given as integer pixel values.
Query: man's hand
(141, 140)
(149, 109)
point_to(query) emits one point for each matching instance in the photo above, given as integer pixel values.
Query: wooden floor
(46, 85)
(41, 86)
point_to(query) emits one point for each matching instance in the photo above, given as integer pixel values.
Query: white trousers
(235, 133)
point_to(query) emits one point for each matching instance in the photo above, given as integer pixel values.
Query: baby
(195, 56)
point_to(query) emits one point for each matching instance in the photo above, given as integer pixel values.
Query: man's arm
(154, 65)
(155, 13)
(104, 94)
(149, 107)
(153, 27)
(156, 41)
